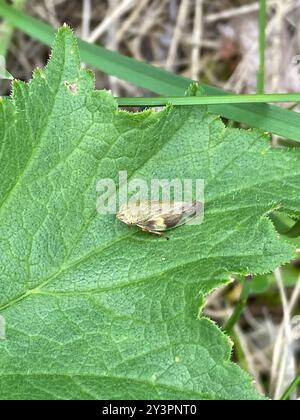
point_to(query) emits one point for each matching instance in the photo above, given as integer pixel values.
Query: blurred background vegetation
(215, 41)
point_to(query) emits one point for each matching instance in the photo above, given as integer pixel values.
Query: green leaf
(262, 283)
(92, 307)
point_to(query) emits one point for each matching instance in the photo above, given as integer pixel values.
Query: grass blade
(209, 100)
(262, 46)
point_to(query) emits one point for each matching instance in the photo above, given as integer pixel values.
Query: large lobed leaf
(93, 308)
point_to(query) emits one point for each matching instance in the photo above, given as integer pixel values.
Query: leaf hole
(73, 87)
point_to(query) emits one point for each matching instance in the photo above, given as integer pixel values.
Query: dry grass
(215, 41)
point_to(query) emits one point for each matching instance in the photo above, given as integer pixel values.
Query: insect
(157, 217)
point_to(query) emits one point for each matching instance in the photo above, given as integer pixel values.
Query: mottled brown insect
(157, 217)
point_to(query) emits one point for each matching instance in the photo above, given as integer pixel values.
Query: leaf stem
(240, 306)
(293, 386)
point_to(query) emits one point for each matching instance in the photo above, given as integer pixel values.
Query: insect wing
(164, 216)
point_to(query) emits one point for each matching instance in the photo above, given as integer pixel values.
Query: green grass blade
(269, 118)
(292, 388)
(209, 100)
(7, 31)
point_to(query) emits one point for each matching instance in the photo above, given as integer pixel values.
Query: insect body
(157, 217)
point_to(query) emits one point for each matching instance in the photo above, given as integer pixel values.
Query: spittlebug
(157, 217)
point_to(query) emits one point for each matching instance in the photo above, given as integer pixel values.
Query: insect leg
(153, 232)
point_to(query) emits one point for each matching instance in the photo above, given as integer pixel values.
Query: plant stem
(291, 388)
(240, 354)
(240, 306)
(262, 46)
